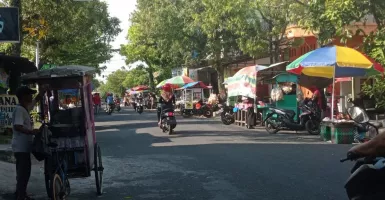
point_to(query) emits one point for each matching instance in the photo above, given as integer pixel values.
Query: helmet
(167, 87)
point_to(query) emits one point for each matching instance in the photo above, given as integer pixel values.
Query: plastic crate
(325, 132)
(342, 135)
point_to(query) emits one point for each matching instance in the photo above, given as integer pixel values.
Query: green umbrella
(161, 83)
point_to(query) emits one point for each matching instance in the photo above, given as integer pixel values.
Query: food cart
(68, 140)
(191, 94)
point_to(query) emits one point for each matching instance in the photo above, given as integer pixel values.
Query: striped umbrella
(244, 82)
(179, 81)
(334, 62)
(161, 83)
(140, 87)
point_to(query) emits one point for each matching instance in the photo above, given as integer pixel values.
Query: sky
(122, 10)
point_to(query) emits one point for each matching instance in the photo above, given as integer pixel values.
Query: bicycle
(56, 188)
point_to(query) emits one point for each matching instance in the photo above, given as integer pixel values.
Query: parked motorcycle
(227, 114)
(280, 119)
(199, 109)
(363, 126)
(367, 179)
(168, 120)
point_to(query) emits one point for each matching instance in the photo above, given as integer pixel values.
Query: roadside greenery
(69, 32)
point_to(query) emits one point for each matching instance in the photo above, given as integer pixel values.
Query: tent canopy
(198, 84)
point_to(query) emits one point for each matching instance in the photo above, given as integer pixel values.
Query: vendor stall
(243, 88)
(192, 93)
(288, 84)
(334, 62)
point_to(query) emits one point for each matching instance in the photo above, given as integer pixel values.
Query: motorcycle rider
(166, 98)
(110, 100)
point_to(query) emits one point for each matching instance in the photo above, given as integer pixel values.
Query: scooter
(370, 130)
(139, 107)
(227, 114)
(280, 119)
(117, 106)
(110, 109)
(367, 179)
(168, 121)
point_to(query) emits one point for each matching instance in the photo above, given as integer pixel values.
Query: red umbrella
(140, 87)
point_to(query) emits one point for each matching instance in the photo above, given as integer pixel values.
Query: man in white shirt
(23, 133)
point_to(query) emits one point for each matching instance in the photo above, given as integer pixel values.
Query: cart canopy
(70, 71)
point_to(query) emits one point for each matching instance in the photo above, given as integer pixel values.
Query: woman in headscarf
(166, 98)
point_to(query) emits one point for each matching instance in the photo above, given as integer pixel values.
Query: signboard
(193, 73)
(7, 106)
(188, 102)
(9, 24)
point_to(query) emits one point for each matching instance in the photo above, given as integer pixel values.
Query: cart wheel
(98, 167)
(56, 186)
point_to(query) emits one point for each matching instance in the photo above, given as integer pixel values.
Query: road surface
(204, 160)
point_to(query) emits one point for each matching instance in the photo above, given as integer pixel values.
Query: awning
(18, 64)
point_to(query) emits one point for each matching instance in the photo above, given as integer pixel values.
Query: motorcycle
(117, 106)
(367, 179)
(309, 119)
(199, 109)
(168, 121)
(139, 106)
(366, 127)
(110, 109)
(227, 114)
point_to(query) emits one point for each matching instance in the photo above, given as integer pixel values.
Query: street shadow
(136, 169)
(204, 171)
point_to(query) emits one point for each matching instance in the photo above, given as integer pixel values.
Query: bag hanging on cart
(39, 150)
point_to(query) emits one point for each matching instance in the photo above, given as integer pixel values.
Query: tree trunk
(151, 77)
(271, 51)
(16, 47)
(220, 70)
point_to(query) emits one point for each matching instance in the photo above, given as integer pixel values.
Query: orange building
(310, 41)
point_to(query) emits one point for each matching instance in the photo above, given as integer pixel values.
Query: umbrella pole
(334, 80)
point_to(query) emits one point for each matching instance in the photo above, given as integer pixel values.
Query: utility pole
(16, 47)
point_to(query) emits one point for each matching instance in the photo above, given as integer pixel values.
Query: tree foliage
(69, 32)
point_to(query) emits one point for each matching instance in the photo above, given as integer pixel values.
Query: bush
(376, 90)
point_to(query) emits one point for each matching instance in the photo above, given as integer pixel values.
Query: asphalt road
(206, 160)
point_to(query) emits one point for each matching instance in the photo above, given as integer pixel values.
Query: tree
(115, 81)
(135, 77)
(69, 32)
(143, 41)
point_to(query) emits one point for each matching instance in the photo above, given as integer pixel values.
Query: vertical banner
(9, 24)
(188, 103)
(7, 106)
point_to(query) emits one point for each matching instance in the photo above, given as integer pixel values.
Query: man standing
(22, 139)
